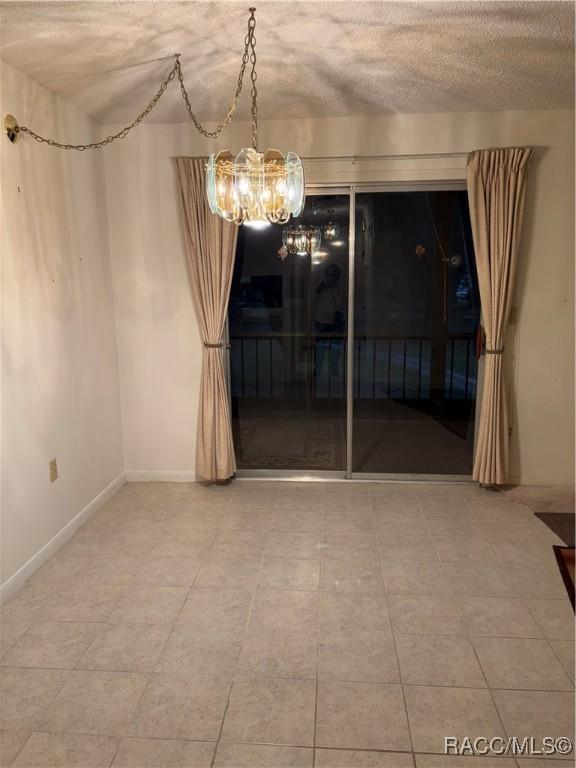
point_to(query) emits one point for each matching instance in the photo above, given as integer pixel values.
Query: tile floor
(267, 625)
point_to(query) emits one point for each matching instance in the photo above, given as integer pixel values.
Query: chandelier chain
(176, 71)
(253, 77)
(249, 42)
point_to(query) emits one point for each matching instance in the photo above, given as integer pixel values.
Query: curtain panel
(496, 180)
(210, 248)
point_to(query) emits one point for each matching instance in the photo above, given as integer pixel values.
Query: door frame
(350, 189)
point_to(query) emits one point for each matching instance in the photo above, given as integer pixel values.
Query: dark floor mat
(290, 443)
(562, 523)
(565, 558)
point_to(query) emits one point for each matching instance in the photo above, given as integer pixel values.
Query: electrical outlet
(53, 470)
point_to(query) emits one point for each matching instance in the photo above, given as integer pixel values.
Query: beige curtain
(496, 185)
(211, 245)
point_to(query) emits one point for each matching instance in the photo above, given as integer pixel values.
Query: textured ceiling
(314, 58)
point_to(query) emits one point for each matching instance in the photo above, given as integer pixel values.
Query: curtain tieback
(213, 346)
(494, 351)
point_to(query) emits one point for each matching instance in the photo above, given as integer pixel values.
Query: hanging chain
(249, 42)
(253, 76)
(121, 134)
(176, 71)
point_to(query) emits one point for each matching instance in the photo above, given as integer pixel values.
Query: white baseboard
(23, 573)
(160, 476)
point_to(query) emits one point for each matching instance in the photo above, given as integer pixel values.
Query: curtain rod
(416, 156)
(375, 157)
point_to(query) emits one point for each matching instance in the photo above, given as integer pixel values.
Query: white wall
(60, 393)
(159, 347)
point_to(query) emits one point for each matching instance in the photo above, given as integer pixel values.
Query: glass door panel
(416, 315)
(287, 326)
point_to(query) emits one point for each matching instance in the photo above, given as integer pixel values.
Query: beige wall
(159, 348)
(60, 393)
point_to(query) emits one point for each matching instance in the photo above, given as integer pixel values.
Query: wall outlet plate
(53, 470)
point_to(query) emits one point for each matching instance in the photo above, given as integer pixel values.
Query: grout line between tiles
(254, 590)
(404, 701)
(26, 740)
(360, 681)
(492, 699)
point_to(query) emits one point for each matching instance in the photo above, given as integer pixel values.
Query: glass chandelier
(301, 240)
(255, 187)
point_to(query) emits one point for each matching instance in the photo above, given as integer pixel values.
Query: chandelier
(331, 230)
(253, 187)
(300, 240)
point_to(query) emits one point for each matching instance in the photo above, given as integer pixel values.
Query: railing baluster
(257, 365)
(389, 363)
(344, 367)
(242, 367)
(452, 367)
(420, 369)
(329, 367)
(359, 367)
(404, 371)
(355, 371)
(374, 369)
(314, 369)
(467, 369)
(271, 368)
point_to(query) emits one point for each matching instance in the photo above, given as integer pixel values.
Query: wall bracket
(11, 128)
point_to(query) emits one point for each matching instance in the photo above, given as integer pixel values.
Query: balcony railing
(274, 365)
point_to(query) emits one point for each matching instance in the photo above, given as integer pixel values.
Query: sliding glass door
(391, 391)
(288, 322)
(416, 315)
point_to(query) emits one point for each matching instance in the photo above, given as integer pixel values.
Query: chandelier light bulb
(257, 224)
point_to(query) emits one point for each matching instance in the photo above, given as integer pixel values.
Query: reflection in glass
(416, 317)
(287, 327)
(301, 240)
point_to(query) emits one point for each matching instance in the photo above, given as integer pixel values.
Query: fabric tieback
(213, 346)
(494, 351)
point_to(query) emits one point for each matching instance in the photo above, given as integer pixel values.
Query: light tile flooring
(266, 625)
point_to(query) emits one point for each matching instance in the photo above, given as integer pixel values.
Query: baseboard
(18, 578)
(160, 476)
